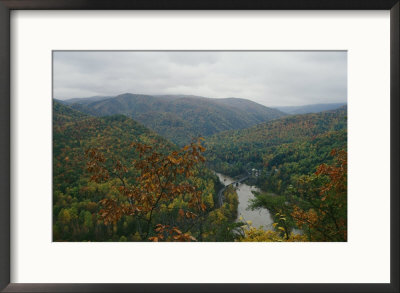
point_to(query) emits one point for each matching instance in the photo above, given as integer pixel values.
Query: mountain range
(313, 108)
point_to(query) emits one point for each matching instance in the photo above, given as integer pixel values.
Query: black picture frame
(8, 5)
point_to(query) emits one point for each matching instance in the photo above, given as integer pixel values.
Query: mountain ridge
(183, 117)
(310, 108)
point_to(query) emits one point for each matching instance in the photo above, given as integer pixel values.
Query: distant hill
(314, 108)
(85, 100)
(179, 118)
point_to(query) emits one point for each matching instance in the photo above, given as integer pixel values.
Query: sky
(283, 78)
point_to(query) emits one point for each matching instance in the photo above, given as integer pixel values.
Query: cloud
(269, 78)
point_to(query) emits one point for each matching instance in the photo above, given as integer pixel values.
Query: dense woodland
(116, 179)
(305, 139)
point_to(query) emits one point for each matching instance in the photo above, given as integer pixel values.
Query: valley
(159, 168)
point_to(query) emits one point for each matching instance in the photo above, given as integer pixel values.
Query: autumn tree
(321, 209)
(316, 204)
(161, 179)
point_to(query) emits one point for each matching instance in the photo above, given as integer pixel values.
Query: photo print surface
(205, 146)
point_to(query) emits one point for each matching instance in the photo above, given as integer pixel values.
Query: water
(260, 217)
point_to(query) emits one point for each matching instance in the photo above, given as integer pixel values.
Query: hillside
(76, 199)
(106, 189)
(306, 109)
(75, 132)
(233, 152)
(181, 118)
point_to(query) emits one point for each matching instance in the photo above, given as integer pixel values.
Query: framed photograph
(216, 147)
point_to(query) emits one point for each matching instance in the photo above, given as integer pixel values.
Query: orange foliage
(165, 232)
(162, 178)
(326, 214)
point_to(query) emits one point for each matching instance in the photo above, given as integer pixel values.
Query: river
(260, 217)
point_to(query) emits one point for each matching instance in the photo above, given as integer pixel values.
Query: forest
(116, 178)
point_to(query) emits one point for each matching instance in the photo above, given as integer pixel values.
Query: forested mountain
(116, 180)
(314, 108)
(181, 118)
(235, 152)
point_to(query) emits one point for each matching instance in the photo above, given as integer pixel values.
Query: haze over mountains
(306, 109)
(180, 118)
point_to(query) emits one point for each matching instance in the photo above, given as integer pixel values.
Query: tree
(316, 204)
(322, 205)
(161, 179)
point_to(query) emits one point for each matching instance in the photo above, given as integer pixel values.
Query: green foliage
(316, 204)
(302, 140)
(285, 163)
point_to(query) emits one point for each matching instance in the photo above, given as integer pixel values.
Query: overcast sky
(268, 78)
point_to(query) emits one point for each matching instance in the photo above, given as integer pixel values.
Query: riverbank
(258, 218)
